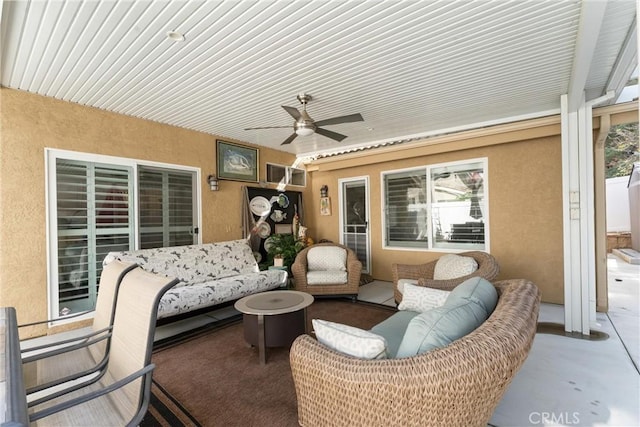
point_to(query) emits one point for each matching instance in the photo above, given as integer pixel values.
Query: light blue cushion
(393, 328)
(475, 289)
(440, 326)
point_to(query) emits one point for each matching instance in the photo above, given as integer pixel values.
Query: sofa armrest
(409, 271)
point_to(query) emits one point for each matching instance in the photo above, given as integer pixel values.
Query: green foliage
(285, 245)
(621, 150)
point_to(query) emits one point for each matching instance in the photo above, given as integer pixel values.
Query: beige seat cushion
(327, 277)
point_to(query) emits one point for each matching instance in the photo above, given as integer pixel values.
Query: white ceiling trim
(410, 138)
(591, 16)
(625, 64)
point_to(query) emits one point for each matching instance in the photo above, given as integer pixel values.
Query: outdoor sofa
(459, 384)
(210, 274)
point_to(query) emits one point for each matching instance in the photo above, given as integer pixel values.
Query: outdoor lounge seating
(63, 360)
(121, 395)
(209, 274)
(423, 274)
(457, 385)
(327, 269)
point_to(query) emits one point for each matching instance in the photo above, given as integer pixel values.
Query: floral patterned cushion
(209, 274)
(192, 296)
(195, 262)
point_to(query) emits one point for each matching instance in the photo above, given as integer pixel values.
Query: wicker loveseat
(488, 268)
(457, 385)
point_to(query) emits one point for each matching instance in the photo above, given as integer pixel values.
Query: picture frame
(237, 162)
(325, 206)
(283, 228)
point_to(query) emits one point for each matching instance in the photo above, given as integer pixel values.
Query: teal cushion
(439, 327)
(475, 289)
(393, 328)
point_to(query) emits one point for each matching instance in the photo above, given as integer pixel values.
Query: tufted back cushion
(452, 266)
(194, 262)
(323, 258)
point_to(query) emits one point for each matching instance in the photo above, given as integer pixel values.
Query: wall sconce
(213, 182)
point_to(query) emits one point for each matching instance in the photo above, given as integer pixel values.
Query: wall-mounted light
(213, 182)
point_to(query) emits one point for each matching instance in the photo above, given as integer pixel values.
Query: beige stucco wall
(524, 181)
(31, 122)
(525, 202)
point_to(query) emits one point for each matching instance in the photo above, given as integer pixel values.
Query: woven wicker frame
(458, 385)
(354, 269)
(488, 268)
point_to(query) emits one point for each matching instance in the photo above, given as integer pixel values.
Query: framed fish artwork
(237, 162)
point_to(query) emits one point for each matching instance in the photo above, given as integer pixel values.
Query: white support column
(571, 218)
(579, 214)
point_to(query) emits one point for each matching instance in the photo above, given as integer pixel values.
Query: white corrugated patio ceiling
(411, 68)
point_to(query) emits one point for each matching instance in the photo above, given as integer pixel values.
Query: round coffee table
(286, 318)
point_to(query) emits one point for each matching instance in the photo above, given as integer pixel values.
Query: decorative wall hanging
(325, 206)
(236, 162)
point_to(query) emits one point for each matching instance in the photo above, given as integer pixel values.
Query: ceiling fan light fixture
(304, 131)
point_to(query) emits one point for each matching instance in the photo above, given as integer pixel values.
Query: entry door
(354, 218)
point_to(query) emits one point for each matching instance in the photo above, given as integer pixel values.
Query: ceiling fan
(304, 125)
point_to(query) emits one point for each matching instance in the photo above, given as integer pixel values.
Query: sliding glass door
(97, 204)
(94, 217)
(167, 212)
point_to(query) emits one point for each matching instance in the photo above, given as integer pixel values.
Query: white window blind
(94, 217)
(440, 206)
(166, 204)
(406, 209)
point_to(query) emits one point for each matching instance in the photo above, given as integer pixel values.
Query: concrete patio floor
(576, 382)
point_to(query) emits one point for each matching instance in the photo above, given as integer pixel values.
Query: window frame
(51, 155)
(426, 170)
(288, 172)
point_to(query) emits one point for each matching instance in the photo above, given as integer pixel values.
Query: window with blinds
(440, 206)
(92, 212)
(94, 217)
(406, 209)
(166, 207)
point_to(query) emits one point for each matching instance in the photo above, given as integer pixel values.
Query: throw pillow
(439, 327)
(350, 340)
(421, 299)
(326, 258)
(452, 266)
(475, 289)
(402, 282)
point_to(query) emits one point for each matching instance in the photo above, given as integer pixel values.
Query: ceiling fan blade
(268, 127)
(292, 111)
(329, 134)
(342, 119)
(291, 138)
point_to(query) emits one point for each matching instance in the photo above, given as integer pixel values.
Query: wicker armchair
(457, 385)
(354, 269)
(488, 268)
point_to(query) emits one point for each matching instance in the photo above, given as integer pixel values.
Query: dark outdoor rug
(213, 378)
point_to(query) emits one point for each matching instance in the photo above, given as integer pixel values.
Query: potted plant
(285, 246)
